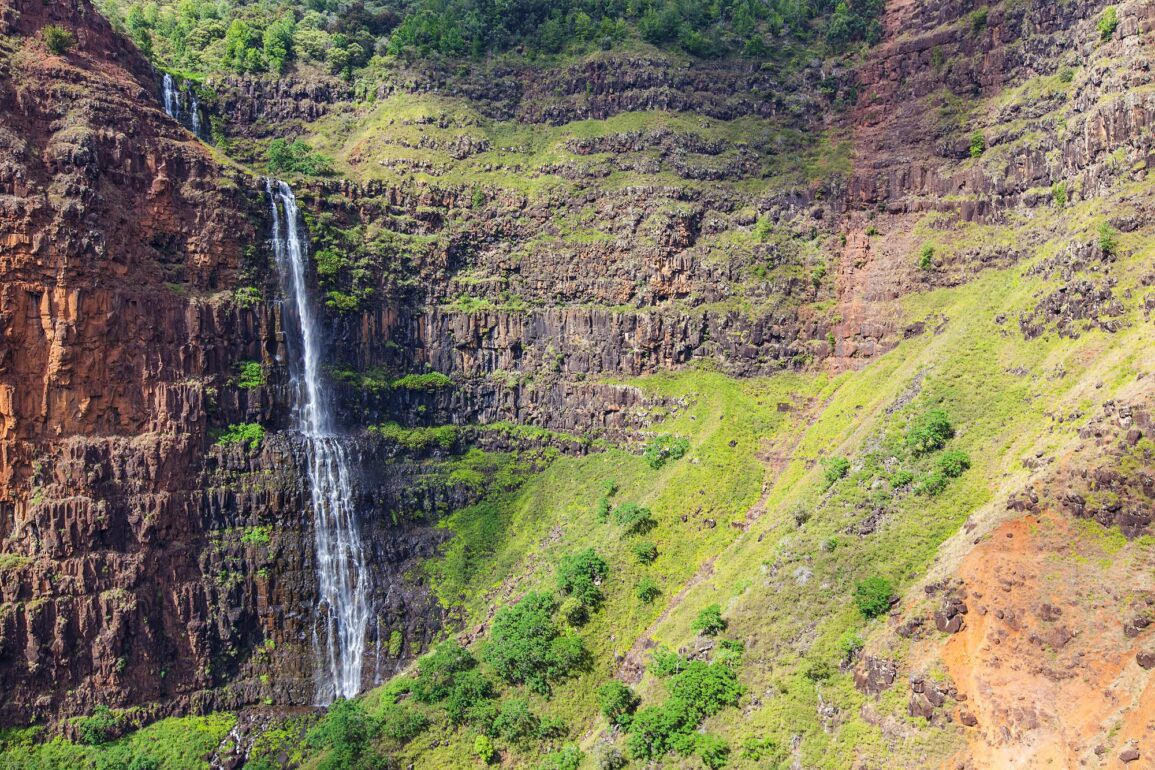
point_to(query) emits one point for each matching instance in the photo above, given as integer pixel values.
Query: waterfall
(171, 97)
(195, 111)
(342, 612)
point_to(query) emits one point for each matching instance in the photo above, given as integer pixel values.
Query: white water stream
(342, 614)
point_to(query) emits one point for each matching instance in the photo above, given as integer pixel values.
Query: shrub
(402, 724)
(702, 689)
(634, 519)
(345, 731)
(647, 590)
(901, 478)
(953, 463)
(101, 726)
(1059, 194)
(929, 432)
(651, 732)
(978, 144)
(872, 596)
(579, 574)
(714, 751)
(698, 691)
(437, 670)
(573, 611)
(252, 375)
(835, 469)
(525, 646)
(58, 39)
(755, 749)
(568, 758)
(1108, 239)
(1066, 75)
(1108, 23)
(430, 381)
(469, 697)
(664, 448)
(926, 257)
(484, 749)
(666, 662)
(262, 535)
(249, 433)
(296, 158)
(515, 722)
(609, 757)
(645, 551)
(709, 621)
(978, 19)
(618, 702)
(932, 484)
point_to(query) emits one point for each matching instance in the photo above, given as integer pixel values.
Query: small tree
(872, 596)
(617, 702)
(58, 39)
(978, 144)
(709, 621)
(647, 590)
(579, 574)
(1108, 240)
(926, 257)
(1108, 23)
(835, 468)
(645, 552)
(714, 751)
(484, 749)
(929, 432)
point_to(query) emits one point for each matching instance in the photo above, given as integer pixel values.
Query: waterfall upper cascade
(180, 102)
(171, 97)
(342, 612)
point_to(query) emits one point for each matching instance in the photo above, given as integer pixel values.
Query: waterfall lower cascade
(342, 612)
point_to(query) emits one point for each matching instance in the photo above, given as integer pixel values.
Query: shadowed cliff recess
(646, 384)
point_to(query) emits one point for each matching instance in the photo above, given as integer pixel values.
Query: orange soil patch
(1044, 660)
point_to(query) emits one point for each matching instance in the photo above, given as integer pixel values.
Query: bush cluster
(696, 691)
(526, 647)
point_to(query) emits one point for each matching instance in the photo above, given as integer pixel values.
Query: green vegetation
(428, 381)
(262, 535)
(926, 257)
(696, 691)
(1108, 239)
(618, 702)
(709, 621)
(928, 432)
(249, 433)
(1108, 23)
(296, 157)
(1059, 194)
(835, 468)
(525, 647)
(57, 39)
(645, 551)
(485, 750)
(170, 744)
(634, 519)
(978, 144)
(872, 596)
(251, 375)
(580, 574)
(978, 19)
(206, 36)
(664, 448)
(421, 438)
